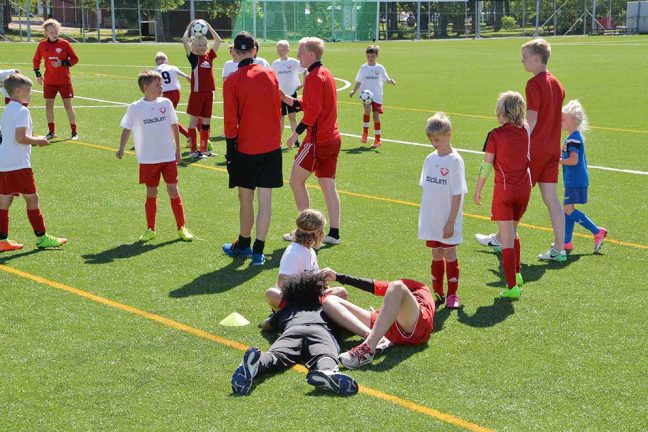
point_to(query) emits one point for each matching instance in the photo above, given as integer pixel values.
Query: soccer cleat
(553, 255)
(244, 374)
(569, 246)
(50, 136)
(513, 293)
(453, 302)
(233, 250)
(363, 139)
(208, 154)
(331, 240)
(334, 381)
(197, 155)
(438, 299)
(74, 137)
(489, 240)
(357, 356)
(258, 259)
(599, 239)
(376, 143)
(519, 280)
(10, 245)
(383, 345)
(148, 235)
(185, 234)
(288, 237)
(49, 241)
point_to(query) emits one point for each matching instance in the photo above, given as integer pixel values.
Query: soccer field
(111, 334)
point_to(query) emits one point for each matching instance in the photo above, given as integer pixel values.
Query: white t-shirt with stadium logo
(288, 72)
(298, 259)
(373, 78)
(441, 178)
(151, 123)
(170, 79)
(14, 156)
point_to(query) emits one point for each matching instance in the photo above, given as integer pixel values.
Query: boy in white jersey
(157, 147)
(443, 180)
(372, 76)
(170, 83)
(288, 70)
(16, 176)
(259, 60)
(230, 66)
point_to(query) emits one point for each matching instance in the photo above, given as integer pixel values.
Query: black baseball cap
(244, 41)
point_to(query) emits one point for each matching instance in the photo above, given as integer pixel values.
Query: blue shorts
(575, 195)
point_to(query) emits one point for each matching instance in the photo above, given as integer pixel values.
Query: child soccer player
(406, 316)
(288, 70)
(201, 97)
(259, 60)
(230, 66)
(443, 180)
(16, 176)
(507, 150)
(372, 76)
(576, 176)
(59, 57)
(3, 76)
(170, 83)
(306, 338)
(157, 146)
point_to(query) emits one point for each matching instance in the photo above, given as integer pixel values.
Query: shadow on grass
(488, 316)
(258, 380)
(360, 150)
(236, 273)
(124, 251)
(6, 258)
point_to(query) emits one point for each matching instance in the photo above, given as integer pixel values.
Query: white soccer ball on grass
(366, 97)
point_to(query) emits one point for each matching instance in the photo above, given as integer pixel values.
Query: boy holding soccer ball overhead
(372, 76)
(201, 98)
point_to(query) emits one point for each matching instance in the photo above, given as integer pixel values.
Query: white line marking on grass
(101, 65)
(78, 106)
(347, 84)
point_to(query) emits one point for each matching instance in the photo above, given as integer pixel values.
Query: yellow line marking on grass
(389, 200)
(409, 405)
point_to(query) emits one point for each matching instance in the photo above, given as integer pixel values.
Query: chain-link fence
(340, 20)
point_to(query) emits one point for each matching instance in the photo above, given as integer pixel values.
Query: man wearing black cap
(252, 105)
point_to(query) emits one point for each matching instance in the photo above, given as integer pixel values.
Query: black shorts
(287, 109)
(304, 344)
(252, 171)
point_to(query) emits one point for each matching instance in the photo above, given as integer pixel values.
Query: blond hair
(283, 43)
(199, 39)
(575, 109)
(51, 22)
(15, 81)
(511, 108)
(314, 45)
(310, 228)
(160, 56)
(539, 47)
(147, 77)
(438, 124)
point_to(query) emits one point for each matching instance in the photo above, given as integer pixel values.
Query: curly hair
(310, 228)
(304, 290)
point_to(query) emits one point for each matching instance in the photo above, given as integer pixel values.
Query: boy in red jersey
(321, 147)
(16, 176)
(406, 316)
(201, 97)
(507, 148)
(59, 57)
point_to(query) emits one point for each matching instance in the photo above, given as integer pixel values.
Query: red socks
(192, 138)
(151, 209)
(183, 130)
(516, 246)
(73, 128)
(377, 130)
(438, 269)
(178, 211)
(36, 220)
(452, 273)
(4, 223)
(365, 123)
(508, 262)
(204, 139)
(51, 127)
(380, 288)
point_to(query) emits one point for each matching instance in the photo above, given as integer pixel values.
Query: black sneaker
(50, 136)
(334, 381)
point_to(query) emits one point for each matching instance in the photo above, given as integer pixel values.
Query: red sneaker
(599, 239)
(376, 142)
(9, 245)
(363, 139)
(357, 356)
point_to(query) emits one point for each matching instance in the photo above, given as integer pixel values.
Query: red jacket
(252, 106)
(49, 51)
(319, 104)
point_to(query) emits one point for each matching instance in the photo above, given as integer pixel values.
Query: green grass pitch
(570, 355)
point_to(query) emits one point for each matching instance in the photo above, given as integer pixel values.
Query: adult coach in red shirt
(319, 152)
(252, 105)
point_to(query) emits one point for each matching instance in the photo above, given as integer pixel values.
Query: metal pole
(333, 22)
(192, 10)
(254, 8)
(537, 30)
(477, 19)
(418, 20)
(82, 23)
(593, 15)
(377, 20)
(112, 19)
(523, 17)
(139, 20)
(28, 15)
(265, 20)
(98, 13)
(20, 11)
(555, 18)
(585, 17)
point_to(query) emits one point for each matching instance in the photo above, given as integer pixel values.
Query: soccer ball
(200, 28)
(366, 96)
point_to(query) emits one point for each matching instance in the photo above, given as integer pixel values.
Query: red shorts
(200, 104)
(173, 96)
(509, 204)
(320, 159)
(17, 182)
(65, 90)
(544, 168)
(149, 174)
(437, 244)
(424, 323)
(376, 107)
